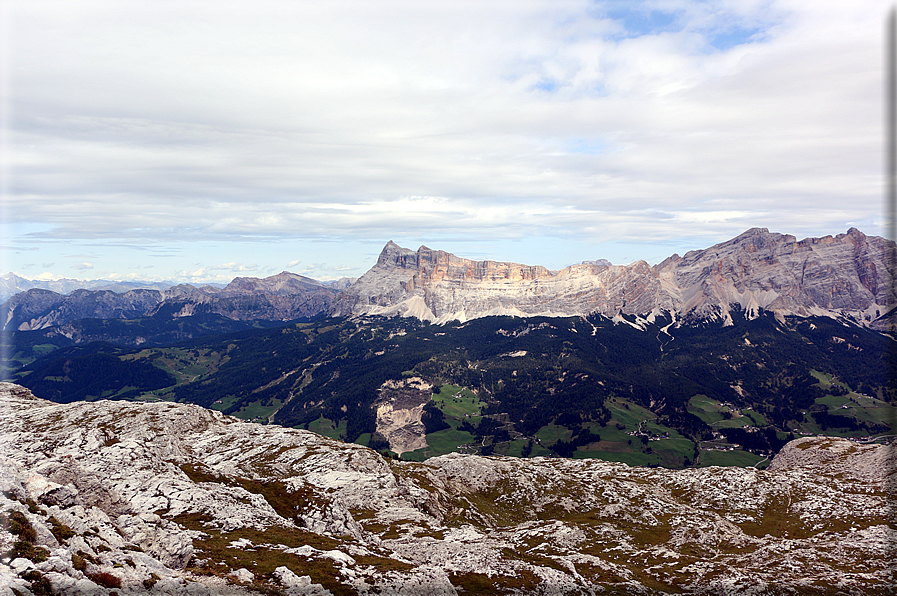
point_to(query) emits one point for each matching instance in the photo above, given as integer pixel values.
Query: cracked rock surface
(165, 498)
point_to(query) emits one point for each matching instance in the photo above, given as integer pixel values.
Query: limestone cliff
(847, 276)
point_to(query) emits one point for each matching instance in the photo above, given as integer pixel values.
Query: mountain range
(11, 284)
(847, 276)
(717, 357)
(281, 297)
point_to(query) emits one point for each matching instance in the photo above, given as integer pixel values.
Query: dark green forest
(576, 386)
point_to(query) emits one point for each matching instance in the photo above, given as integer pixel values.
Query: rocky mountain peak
(842, 276)
(280, 297)
(282, 283)
(391, 252)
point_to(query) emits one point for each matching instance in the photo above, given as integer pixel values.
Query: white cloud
(235, 267)
(82, 266)
(351, 120)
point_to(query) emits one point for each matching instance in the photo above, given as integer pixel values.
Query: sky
(198, 141)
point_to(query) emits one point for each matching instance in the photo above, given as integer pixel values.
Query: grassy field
(447, 441)
(826, 380)
(709, 457)
(863, 408)
(42, 349)
(719, 415)
(457, 402)
(440, 443)
(628, 413)
(326, 427)
(257, 410)
(186, 365)
(513, 448)
(551, 433)
(866, 409)
(664, 452)
(113, 394)
(225, 402)
(618, 445)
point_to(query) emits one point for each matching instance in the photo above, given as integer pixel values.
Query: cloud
(235, 267)
(324, 270)
(81, 266)
(361, 121)
(293, 263)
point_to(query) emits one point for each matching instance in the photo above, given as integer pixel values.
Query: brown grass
(105, 579)
(479, 583)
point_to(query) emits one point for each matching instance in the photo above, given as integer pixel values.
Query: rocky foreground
(133, 498)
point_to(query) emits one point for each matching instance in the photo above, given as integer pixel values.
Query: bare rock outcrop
(217, 506)
(400, 408)
(846, 276)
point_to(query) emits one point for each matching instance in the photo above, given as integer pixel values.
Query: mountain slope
(282, 297)
(643, 393)
(175, 499)
(843, 276)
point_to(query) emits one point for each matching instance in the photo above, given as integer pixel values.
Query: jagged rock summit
(845, 276)
(163, 498)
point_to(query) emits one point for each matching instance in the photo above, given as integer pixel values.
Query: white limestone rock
(297, 585)
(243, 575)
(383, 526)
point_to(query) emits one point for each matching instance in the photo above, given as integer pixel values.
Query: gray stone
(290, 579)
(61, 496)
(19, 564)
(243, 575)
(585, 526)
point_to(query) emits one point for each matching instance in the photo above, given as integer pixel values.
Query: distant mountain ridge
(845, 276)
(11, 284)
(285, 296)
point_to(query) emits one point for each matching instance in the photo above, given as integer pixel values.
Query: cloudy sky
(197, 141)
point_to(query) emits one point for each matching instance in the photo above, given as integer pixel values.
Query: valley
(717, 357)
(575, 387)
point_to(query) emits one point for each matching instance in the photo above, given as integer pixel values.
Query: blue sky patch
(547, 85)
(730, 38)
(638, 22)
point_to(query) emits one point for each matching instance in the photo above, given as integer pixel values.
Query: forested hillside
(648, 393)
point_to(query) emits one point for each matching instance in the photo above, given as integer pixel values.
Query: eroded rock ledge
(166, 498)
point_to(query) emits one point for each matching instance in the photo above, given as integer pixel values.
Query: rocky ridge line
(845, 276)
(280, 297)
